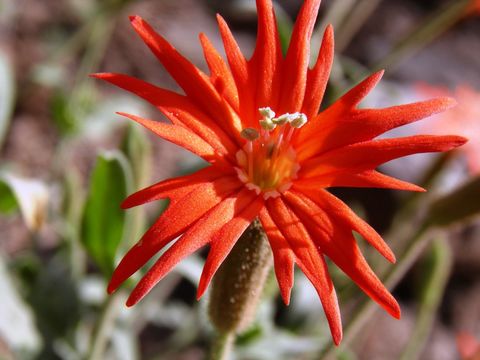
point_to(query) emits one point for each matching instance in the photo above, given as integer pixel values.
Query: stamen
(298, 121)
(269, 165)
(250, 134)
(266, 113)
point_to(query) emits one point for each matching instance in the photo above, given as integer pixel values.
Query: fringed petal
(240, 71)
(267, 57)
(342, 125)
(197, 236)
(179, 110)
(317, 78)
(297, 59)
(283, 256)
(310, 261)
(177, 218)
(180, 136)
(223, 241)
(220, 74)
(196, 84)
(338, 243)
(165, 189)
(345, 217)
(370, 154)
(364, 179)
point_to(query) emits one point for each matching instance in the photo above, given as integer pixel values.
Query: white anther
(266, 113)
(267, 124)
(282, 119)
(299, 120)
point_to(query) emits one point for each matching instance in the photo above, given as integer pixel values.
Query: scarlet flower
(464, 119)
(474, 7)
(468, 346)
(272, 155)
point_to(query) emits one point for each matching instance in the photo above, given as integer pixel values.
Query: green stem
(103, 327)
(428, 31)
(222, 346)
(439, 261)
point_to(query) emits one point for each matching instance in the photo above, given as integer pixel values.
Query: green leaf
(103, 222)
(8, 203)
(62, 114)
(7, 95)
(459, 205)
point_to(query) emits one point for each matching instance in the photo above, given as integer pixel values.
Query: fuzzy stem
(222, 346)
(238, 285)
(439, 263)
(103, 327)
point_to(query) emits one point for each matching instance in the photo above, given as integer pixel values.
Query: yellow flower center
(267, 163)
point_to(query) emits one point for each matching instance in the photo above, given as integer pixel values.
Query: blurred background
(67, 161)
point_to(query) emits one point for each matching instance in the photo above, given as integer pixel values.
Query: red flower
(268, 166)
(468, 346)
(464, 119)
(474, 7)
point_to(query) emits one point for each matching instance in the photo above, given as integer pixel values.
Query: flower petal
(310, 261)
(283, 256)
(195, 83)
(178, 186)
(177, 218)
(178, 108)
(317, 78)
(241, 73)
(364, 179)
(180, 136)
(370, 154)
(342, 125)
(220, 74)
(338, 243)
(196, 237)
(297, 59)
(224, 240)
(344, 216)
(267, 57)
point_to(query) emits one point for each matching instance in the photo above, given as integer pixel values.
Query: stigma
(267, 162)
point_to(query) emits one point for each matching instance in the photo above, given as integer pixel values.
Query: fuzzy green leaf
(103, 222)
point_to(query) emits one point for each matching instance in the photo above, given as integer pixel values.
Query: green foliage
(8, 203)
(103, 222)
